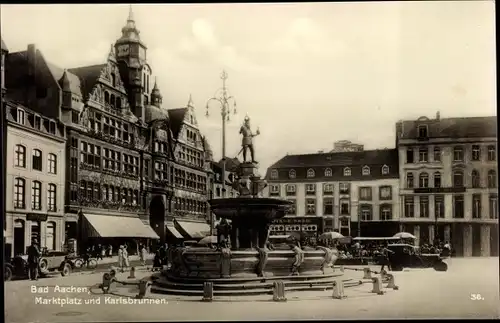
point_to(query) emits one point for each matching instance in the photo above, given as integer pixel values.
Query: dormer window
(422, 131)
(274, 174)
(310, 172)
(385, 170)
(20, 116)
(366, 171)
(347, 171)
(292, 173)
(328, 172)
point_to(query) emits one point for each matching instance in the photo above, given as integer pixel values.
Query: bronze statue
(246, 142)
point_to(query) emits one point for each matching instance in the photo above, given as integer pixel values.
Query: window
(344, 207)
(310, 189)
(292, 209)
(274, 174)
(458, 178)
(366, 171)
(290, 189)
(424, 206)
(274, 190)
(365, 193)
(52, 163)
(328, 206)
(410, 156)
(385, 212)
(385, 193)
(51, 198)
(476, 206)
(438, 206)
(423, 155)
(20, 154)
(458, 206)
(458, 154)
(327, 189)
(409, 180)
(37, 160)
(19, 193)
(113, 79)
(385, 170)
(422, 131)
(130, 165)
(347, 171)
(366, 212)
(409, 207)
(476, 179)
(344, 188)
(292, 173)
(344, 222)
(310, 207)
(476, 152)
(493, 204)
(423, 180)
(492, 179)
(75, 117)
(36, 195)
(437, 179)
(310, 172)
(437, 154)
(21, 117)
(492, 153)
(328, 172)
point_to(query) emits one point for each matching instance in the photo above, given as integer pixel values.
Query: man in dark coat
(33, 260)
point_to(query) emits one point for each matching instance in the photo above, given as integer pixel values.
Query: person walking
(125, 256)
(144, 254)
(386, 258)
(33, 260)
(110, 251)
(120, 258)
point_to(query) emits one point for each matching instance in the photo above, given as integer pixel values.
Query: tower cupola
(156, 97)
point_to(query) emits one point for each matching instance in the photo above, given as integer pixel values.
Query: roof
(89, 75)
(232, 164)
(469, 127)
(176, 120)
(336, 162)
(57, 73)
(4, 47)
(153, 112)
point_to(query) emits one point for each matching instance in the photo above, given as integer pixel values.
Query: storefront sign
(430, 190)
(36, 217)
(297, 220)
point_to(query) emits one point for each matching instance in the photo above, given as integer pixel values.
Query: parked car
(50, 262)
(409, 256)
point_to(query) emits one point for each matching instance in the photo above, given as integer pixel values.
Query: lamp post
(224, 99)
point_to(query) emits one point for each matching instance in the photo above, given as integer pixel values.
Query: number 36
(476, 297)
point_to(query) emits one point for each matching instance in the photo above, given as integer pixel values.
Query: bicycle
(87, 261)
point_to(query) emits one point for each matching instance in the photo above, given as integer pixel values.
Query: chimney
(31, 81)
(438, 116)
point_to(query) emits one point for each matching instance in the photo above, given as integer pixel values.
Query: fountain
(243, 263)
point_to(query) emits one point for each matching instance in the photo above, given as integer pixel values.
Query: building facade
(354, 193)
(35, 180)
(4, 51)
(449, 182)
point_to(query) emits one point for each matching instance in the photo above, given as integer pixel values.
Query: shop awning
(107, 226)
(171, 228)
(193, 230)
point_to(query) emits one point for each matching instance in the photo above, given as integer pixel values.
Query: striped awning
(171, 228)
(107, 226)
(193, 230)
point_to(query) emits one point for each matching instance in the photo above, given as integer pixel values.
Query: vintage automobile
(409, 256)
(50, 262)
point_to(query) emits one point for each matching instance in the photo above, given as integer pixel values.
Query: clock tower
(134, 70)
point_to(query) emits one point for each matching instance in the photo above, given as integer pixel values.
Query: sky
(307, 74)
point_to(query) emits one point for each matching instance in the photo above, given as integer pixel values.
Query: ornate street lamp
(223, 98)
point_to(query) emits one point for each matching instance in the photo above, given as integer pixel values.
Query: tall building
(350, 192)
(448, 182)
(35, 180)
(133, 165)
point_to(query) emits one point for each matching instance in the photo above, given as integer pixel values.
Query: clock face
(123, 50)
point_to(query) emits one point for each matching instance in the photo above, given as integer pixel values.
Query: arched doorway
(157, 217)
(19, 237)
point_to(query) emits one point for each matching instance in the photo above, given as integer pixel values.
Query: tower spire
(130, 14)
(190, 102)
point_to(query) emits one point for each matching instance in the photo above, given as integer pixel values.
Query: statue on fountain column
(247, 140)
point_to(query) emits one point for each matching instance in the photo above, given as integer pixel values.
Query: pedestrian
(144, 253)
(125, 256)
(386, 258)
(120, 258)
(110, 251)
(33, 260)
(103, 252)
